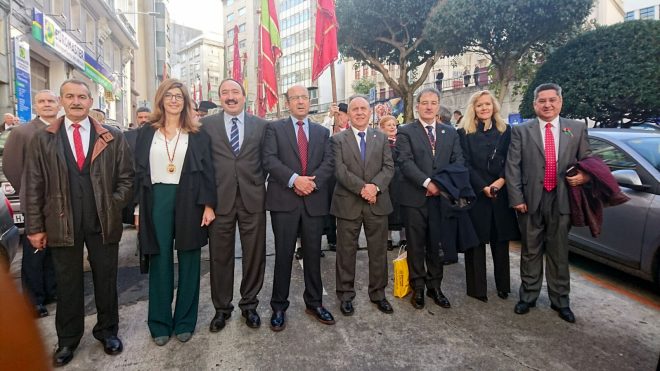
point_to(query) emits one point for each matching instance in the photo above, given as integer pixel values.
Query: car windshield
(649, 148)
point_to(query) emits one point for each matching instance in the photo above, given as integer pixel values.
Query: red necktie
(77, 144)
(302, 147)
(550, 179)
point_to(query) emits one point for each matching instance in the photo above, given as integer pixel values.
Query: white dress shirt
(555, 133)
(357, 137)
(85, 130)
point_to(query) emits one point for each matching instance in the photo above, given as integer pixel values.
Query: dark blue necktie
(431, 137)
(363, 146)
(233, 141)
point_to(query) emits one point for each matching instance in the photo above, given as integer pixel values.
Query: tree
(363, 85)
(381, 33)
(608, 74)
(507, 31)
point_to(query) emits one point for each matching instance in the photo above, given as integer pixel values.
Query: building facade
(642, 9)
(199, 64)
(93, 41)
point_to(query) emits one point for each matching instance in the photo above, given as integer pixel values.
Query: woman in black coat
(485, 139)
(176, 194)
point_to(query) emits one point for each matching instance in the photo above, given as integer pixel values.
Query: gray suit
(241, 198)
(352, 211)
(545, 226)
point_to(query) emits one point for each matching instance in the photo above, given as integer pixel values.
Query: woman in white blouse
(176, 195)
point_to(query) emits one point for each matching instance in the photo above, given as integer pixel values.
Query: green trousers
(161, 272)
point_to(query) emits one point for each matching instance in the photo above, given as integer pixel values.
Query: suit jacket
(282, 160)
(15, 153)
(416, 159)
(352, 173)
(245, 171)
(525, 165)
(131, 138)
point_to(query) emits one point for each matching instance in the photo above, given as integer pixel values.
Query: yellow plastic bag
(401, 282)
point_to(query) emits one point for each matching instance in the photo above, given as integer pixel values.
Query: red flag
(208, 85)
(269, 52)
(199, 89)
(194, 93)
(236, 68)
(325, 42)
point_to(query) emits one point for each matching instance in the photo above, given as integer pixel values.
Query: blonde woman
(175, 189)
(485, 139)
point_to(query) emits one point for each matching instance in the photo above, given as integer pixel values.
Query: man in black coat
(424, 147)
(298, 157)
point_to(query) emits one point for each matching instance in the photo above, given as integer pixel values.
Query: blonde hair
(469, 121)
(384, 119)
(186, 119)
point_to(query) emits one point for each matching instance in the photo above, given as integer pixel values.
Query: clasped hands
(304, 185)
(369, 192)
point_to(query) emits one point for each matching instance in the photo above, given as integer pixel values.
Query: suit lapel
(291, 134)
(314, 142)
(423, 137)
(248, 131)
(350, 141)
(564, 142)
(535, 134)
(221, 132)
(372, 140)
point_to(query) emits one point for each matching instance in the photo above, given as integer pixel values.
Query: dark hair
(427, 90)
(143, 109)
(547, 86)
(76, 82)
(459, 112)
(230, 79)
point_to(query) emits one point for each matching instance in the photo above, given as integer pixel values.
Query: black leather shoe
(332, 246)
(218, 321)
(417, 299)
(277, 321)
(383, 306)
(346, 308)
(439, 298)
(252, 319)
(503, 294)
(112, 345)
(62, 356)
(564, 313)
(390, 247)
(298, 254)
(321, 314)
(40, 311)
(522, 307)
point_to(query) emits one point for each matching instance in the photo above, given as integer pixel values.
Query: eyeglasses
(176, 97)
(299, 97)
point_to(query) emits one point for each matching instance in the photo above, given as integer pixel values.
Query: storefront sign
(22, 80)
(63, 44)
(97, 73)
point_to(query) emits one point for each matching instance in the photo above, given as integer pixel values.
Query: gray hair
(547, 86)
(445, 114)
(76, 82)
(143, 109)
(356, 96)
(427, 90)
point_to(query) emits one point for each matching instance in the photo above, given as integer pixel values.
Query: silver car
(630, 238)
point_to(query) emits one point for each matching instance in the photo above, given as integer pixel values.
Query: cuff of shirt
(292, 179)
(426, 182)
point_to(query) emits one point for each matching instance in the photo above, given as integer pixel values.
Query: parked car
(6, 187)
(630, 238)
(9, 234)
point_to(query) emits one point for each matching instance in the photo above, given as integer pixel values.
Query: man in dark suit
(298, 157)
(80, 177)
(425, 146)
(37, 272)
(363, 169)
(541, 151)
(142, 117)
(237, 144)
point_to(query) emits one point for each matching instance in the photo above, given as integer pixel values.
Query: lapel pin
(442, 132)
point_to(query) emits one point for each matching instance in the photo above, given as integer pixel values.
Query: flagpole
(277, 88)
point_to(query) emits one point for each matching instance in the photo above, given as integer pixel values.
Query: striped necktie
(233, 141)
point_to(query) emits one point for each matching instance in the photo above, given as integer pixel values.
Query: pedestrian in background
(388, 125)
(175, 190)
(476, 74)
(438, 80)
(485, 139)
(466, 77)
(80, 177)
(37, 271)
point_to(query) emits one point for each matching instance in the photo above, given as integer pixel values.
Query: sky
(205, 15)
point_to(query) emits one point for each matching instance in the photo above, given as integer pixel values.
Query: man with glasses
(298, 157)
